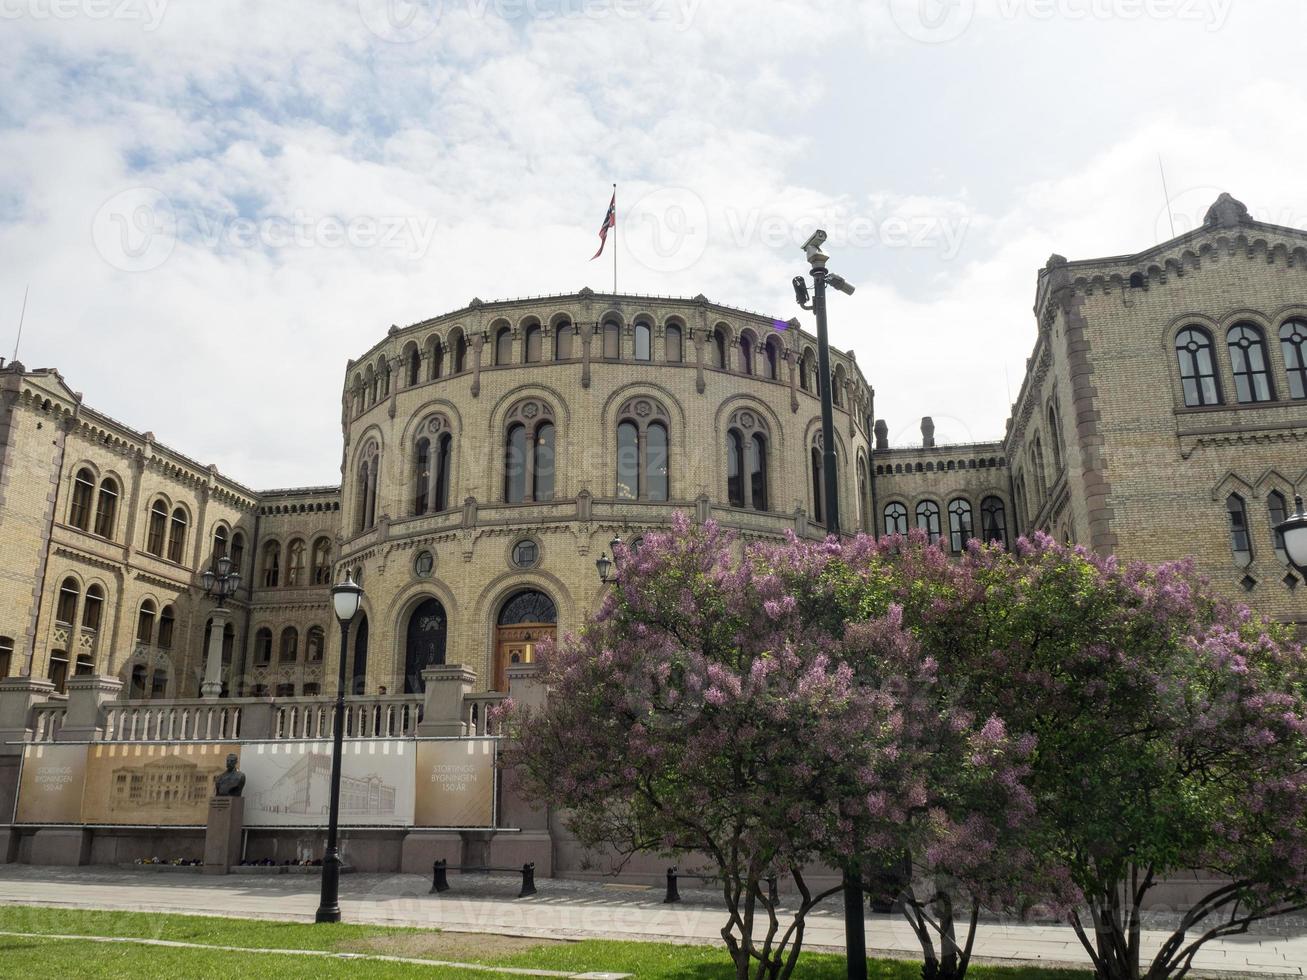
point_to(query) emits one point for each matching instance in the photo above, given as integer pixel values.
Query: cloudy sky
(217, 202)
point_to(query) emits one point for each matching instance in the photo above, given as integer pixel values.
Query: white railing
(145, 721)
(47, 721)
(476, 710)
(380, 716)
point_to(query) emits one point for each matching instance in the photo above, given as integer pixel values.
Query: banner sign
(384, 783)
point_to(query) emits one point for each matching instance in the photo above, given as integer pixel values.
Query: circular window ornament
(424, 564)
(526, 554)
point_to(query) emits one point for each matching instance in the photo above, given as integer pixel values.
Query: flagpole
(614, 239)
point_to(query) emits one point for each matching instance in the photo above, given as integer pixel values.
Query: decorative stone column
(83, 721)
(478, 342)
(18, 696)
(446, 687)
(526, 687)
(212, 686)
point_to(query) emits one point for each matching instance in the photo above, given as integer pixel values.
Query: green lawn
(26, 957)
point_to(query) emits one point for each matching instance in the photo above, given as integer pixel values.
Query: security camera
(840, 283)
(815, 240)
(801, 291)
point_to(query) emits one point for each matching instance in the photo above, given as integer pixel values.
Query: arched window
(504, 346)
(366, 499)
(414, 365)
(177, 536)
(563, 334)
(1293, 342)
(533, 343)
(145, 623)
(1241, 543)
(444, 451)
(628, 461)
(93, 608)
(896, 519)
(422, 476)
(806, 371)
(773, 353)
(928, 519)
(959, 524)
(383, 375)
(758, 471)
(295, 556)
(993, 521)
(1055, 436)
(529, 453)
(643, 342)
(734, 469)
(219, 541)
(719, 348)
(79, 510)
(314, 643)
(370, 385)
(437, 358)
(864, 501)
(167, 623)
(322, 561)
(746, 353)
(1276, 510)
(424, 642)
(263, 647)
(106, 508)
(69, 594)
(542, 463)
(612, 341)
(818, 485)
(515, 464)
(460, 353)
(237, 551)
(642, 451)
(1193, 349)
(1252, 378)
(672, 350)
(271, 565)
(837, 389)
(289, 650)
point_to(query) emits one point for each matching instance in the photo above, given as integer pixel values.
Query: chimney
(882, 434)
(927, 432)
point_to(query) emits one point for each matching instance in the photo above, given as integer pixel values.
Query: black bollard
(673, 893)
(439, 877)
(528, 880)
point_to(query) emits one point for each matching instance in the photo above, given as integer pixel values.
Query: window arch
(1055, 436)
(746, 463)
(70, 593)
(370, 385)
(993, 521)
(896, 518)
(1241, 543)
(805, 370)
(237, 551)
(503, 346)
(928, 519)
(734, 468)
(564, 334)
(263, 647)
(772, 351)
(460, 352)
(1277, 511)
(959, 524)
(383, 375)
(437, 359)
(529, 453)
(532, 343)
(746, 353)
(288, 650)
(322, 561)
(79, 508)
(366, 493)
(296, 553)
(758, 471)
(818, 485)
(93, 608)
(1193, 350)
(673, 348)
(864, 500)
(1249, 365)
(642, 450)
(719, 348)
(177, 535)
(167, 623)
(837, 389)
(271, 565)
(431, 462)
(612, 340)
(643, 342)
(1293, 344)
(315, 641)
(413, 363)
(106, 508)
(145, 623)
(220, 541)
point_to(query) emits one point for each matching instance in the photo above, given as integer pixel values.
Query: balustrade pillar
(445, 687)
(87, 695)
(18, 697)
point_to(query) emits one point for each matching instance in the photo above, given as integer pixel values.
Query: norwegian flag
(610, 221)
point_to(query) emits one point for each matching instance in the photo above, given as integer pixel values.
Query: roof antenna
(21, 316)
(1166, 194)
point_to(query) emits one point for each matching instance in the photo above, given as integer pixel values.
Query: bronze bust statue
(231, 782)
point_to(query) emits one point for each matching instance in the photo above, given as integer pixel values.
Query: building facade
(491, 454)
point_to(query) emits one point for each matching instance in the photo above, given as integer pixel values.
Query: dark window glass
(79, 511)
(758, 471)
(263, 646)
(1252, 380)
(1193, 348)
(1278, 512)
(542, 466)
(443, 463)
(719, 349)
(643, 342)
(1293, 342)
(515, 465)
(422, 476)
(167, 622)
(106, 508)
(6, 655)
(928, 519)
(773, 360)
(563, 334)
(177, 536)
(896, 519)
(93, 607)
(271, 565)
(437, 360)
(414, 366)
(525, 554)
(533, 344)
(656, 461)
(628, 461)
(746, 355)
(314, 642)
(69, 593)
(158, 524)
(290, 645)
(672, 343)
(504, 346)
(734, 469)
(1240, 541)
(818, 497)
(612, 341)
(145, 624)
(460, 354)
(993, 521)
(959, 524)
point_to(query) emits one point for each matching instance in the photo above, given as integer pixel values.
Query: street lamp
(1294, 532)
(220, 583)
(345, 600)
(855, 938)
(604, 564)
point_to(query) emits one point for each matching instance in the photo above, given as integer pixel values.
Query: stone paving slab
(575, 909)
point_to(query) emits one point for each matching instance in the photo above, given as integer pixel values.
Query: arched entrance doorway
(524, 620)
(425, 643)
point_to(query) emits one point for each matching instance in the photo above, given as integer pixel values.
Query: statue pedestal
(222, 838)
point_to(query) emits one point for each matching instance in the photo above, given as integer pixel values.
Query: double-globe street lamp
(1293, 532)
(220, 582)
(345, 600)
(604, 564)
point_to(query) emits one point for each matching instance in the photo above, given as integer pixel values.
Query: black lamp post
(220, 582)
(345, 599)
(604, 564)
(1294, 532)
(855, 937)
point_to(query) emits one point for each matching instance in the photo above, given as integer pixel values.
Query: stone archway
(525, 618)
(424, 644)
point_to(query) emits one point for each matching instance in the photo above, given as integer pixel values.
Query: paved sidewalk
(568, 909)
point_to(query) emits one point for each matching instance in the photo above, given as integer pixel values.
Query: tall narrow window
(959, 524)
(6, 655)
(290, 645)
(69, 594)
(145, 623)
(758, 471)
(460, 354)
(515, 464)
(818, 486)
(746, 354)
(612, 341)
(93, 608)
(643, 342)
(719, 349)
(58, 673)
(542, 463)
(314, 643)
(1252, 379)
(896, 519)
(414, 366)
(993, 521)
(79, 510)
(106, 507)
(422, 476)
(805, 371)
(628, 461)
(504, 346)
(672, 344)
(444, 448)
(167, 622)
(219, 541)
(864, 509)
(1277, 511)
(322, 561)
(837, 389)
(533, 343)
(271, 565)
(1193, 348)
(563, 334)
(1055, 438)
(772, 350)
(928, 519)
(237, 552)
(177, 536)
(263, 647)
(1240, 541)
(655, 462)
(437, 359)
(1293, 342)
(295, 563)
(734, 469)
